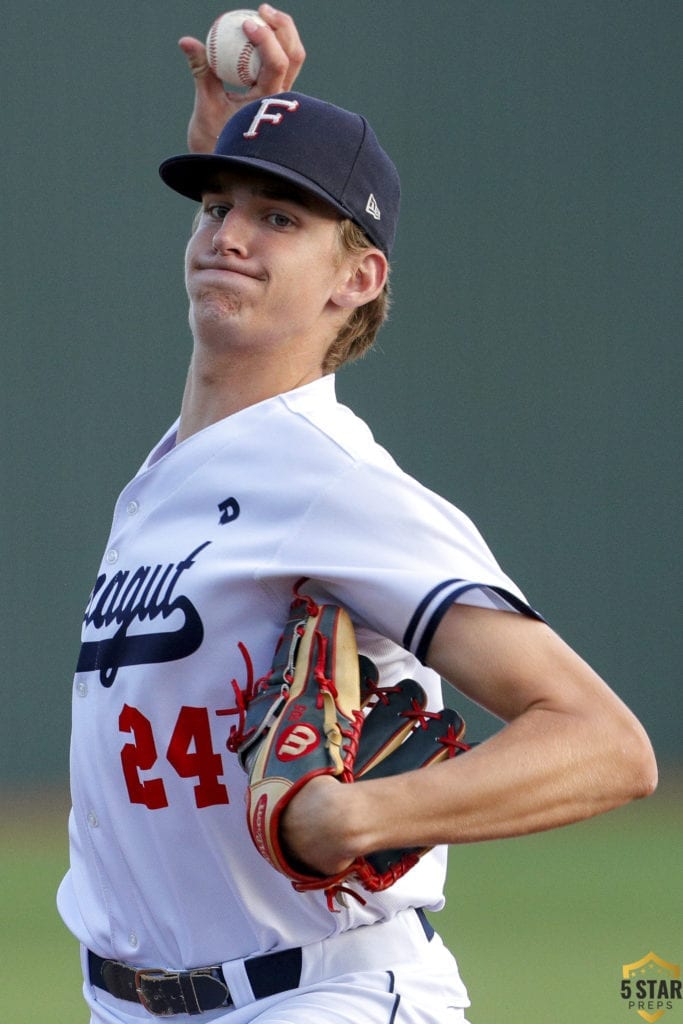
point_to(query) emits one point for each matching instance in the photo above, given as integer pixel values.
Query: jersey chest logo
(130, 598)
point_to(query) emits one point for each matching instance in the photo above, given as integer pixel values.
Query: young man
(265, 479)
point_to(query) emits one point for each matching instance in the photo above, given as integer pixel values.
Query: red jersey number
(190, 752)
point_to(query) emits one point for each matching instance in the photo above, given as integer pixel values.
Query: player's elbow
(635, 760)
(646, 774)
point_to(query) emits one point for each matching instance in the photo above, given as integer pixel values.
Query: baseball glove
(321, 711)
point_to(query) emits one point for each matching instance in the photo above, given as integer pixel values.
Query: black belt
(165, 993)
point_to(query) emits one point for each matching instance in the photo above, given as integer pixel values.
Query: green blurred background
(530, 373)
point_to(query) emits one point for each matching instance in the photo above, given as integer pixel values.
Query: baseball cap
(322, 148)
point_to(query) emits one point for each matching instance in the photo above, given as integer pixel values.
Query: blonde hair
(358, 334)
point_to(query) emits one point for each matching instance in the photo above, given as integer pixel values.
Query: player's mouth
(224, 267)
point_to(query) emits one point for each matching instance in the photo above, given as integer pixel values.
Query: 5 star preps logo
(651, 986)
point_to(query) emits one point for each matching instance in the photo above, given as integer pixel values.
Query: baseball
(231, 56)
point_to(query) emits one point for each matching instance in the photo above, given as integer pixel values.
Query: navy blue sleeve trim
(409, 634)
(437, 615)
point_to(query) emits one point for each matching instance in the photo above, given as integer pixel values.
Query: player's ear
(364, 279)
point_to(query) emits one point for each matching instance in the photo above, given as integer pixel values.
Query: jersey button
(112, 556)
(82, 688)
(133, 940)
(92, 819)
(132, 508)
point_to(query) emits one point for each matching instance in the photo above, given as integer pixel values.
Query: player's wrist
(316, 827)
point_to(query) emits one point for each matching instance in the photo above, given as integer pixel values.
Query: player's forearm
(544, 770)
(540, 772)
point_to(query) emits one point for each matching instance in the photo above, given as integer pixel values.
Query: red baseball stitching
(211, 46)
(243, 62)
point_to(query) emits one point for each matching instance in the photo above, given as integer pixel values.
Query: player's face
(265, 266)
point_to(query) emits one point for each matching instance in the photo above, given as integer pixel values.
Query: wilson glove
(322, 711)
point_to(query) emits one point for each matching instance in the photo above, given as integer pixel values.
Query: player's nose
(232, 234)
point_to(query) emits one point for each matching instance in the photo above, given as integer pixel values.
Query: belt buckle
(151, 972)
(187, 992)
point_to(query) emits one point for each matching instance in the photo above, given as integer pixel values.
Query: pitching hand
(282, 56)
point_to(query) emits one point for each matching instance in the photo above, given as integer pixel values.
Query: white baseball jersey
(207, 543)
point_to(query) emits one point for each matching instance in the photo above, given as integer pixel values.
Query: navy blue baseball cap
(322, 148)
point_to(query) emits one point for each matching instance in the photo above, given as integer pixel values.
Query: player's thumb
(195, 54)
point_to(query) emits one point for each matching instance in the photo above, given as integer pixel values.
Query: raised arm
(282, 56)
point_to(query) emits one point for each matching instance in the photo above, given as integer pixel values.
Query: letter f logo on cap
(263, 114)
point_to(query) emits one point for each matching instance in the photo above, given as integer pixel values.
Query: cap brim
(194, 174)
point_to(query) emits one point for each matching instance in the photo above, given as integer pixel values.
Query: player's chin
(212, 305)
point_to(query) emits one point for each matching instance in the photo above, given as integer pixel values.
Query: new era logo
(372, 208)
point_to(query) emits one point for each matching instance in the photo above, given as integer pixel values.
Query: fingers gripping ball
(230, 54)
(321, 711)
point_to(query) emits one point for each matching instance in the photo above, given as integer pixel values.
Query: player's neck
(215, 389)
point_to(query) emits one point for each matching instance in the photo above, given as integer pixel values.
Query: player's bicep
(508, 663)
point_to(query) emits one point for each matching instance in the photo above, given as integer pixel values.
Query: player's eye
(280, 220)
(217, 211)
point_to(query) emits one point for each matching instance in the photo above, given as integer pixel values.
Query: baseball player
(263, 482)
